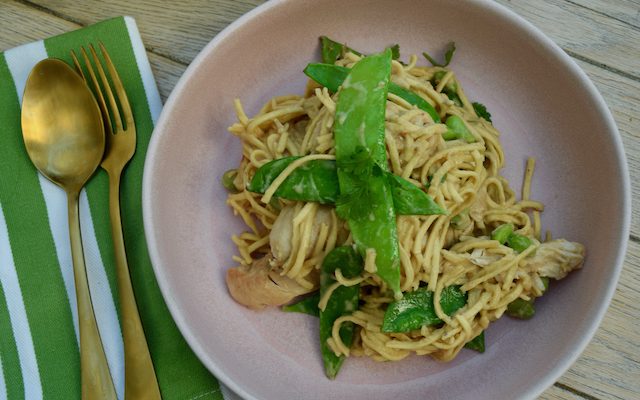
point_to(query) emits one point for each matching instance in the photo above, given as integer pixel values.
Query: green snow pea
(525, 309)
(332, 50)
(361, 159)
(343, 301)
(332, 76)
(317, 181)
(521, 309)
(416, 309)
(477, 343)
(308, 305)
(408, 199)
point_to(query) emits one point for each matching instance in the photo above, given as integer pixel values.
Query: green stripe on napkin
(43, 293)
(180, 373)
(9, 353)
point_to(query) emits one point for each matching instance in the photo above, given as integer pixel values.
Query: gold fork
(140, 378)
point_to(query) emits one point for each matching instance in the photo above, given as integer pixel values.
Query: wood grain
(584, 33)
(624, 10)
(603, 36)
(174, 29)
(608, 368)
(623, 97)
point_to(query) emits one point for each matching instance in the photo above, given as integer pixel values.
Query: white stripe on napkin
(20, 61)
(18, 316)
(150, 88)
(101, 295)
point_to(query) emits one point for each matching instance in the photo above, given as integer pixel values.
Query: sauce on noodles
(282, 251)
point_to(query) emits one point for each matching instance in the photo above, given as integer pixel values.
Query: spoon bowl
(62, 126)
(64, 136)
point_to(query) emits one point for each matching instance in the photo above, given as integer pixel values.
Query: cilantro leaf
(481, 111)
(448, 55)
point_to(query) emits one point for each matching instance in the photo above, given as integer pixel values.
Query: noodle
(435, 250)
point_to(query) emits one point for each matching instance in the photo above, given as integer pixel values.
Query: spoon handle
(95, 375)
(140, 378)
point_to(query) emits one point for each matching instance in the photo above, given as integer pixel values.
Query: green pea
(451, 86)
(228, 179)
(545, 282)
(502, 233)
(521, 309)
(518, 242)
(457, 130)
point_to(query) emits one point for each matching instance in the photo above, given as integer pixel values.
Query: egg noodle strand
(435, 250)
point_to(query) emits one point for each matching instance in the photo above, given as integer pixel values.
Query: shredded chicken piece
(555, 259)
(259, 285)
(479, 207)
(281, 234)
(482, 258)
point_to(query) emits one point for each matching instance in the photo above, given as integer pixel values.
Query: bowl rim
(572, 353)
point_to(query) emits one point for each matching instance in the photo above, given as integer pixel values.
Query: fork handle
(94, 370)
(140, 378)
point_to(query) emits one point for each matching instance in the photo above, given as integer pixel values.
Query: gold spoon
(64, 136)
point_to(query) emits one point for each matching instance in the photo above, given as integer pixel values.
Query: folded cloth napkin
(39, 338)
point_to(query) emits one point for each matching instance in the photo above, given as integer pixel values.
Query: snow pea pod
(315, 180)
(308, 305)
(332, 76)
(416, 309)
(361, 159)
(343, 300)
(318, 182)
(408, 199)
(477, 343)
(521, 309)
(332, 50)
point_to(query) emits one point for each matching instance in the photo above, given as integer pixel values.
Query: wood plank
(181, 29)
(175, 29)
(610, 366)
(559, 393)
(623, 98)
(584, 33)
(624, 10)
(20, 24)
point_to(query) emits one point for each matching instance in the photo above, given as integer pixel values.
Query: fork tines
(117, 84)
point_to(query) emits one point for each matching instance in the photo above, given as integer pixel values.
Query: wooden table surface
(602, 36)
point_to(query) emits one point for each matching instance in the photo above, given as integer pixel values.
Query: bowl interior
(540, 101)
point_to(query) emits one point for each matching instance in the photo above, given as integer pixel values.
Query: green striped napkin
(39, 350)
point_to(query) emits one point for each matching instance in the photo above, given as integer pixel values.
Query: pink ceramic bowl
(543, 104)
